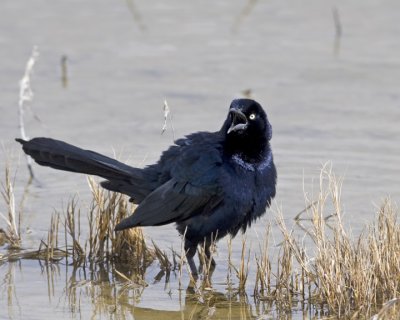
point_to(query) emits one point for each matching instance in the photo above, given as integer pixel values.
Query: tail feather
(63, 156)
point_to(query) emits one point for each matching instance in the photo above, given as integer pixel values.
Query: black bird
(209, 183)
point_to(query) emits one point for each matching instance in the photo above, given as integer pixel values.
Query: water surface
(328, 99)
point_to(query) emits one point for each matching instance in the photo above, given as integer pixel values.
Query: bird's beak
(239, 120)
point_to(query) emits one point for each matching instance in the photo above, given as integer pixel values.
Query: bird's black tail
(63, 156)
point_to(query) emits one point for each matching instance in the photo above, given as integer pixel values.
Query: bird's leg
(190, 250)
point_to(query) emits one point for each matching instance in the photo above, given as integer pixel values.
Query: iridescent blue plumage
(210, 183)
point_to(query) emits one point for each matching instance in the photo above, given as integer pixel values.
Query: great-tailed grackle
(209, 183)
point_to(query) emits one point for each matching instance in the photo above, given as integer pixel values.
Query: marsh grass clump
(106, 210)
(49, 249)
(242, 271)
(11, 234)
(347, 274)
(103, 243)
(262, 287)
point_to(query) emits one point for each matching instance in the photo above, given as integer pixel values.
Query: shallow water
(329, 100)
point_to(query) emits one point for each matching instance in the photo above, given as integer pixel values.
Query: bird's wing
(192, 189)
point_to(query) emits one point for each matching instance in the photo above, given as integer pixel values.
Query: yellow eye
(252, 116)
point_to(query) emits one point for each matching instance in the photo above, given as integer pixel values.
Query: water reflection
(136, 16)
(338, 31)
(64, 71)
(116, 291)
(242, 15)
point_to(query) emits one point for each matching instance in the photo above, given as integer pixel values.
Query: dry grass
(349, 275)
(11, 234)
(25, 97)
(107, 209)
(103, 244)
(242, 271)
(99, 245)
(262, 287)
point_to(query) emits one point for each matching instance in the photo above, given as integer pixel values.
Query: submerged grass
(324, 267)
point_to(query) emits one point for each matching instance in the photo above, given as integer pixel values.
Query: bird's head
(247, 127)
(247, 118)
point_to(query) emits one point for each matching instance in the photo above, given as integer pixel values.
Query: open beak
(239, 120)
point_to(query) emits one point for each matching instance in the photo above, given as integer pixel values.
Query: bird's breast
(249, 185)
